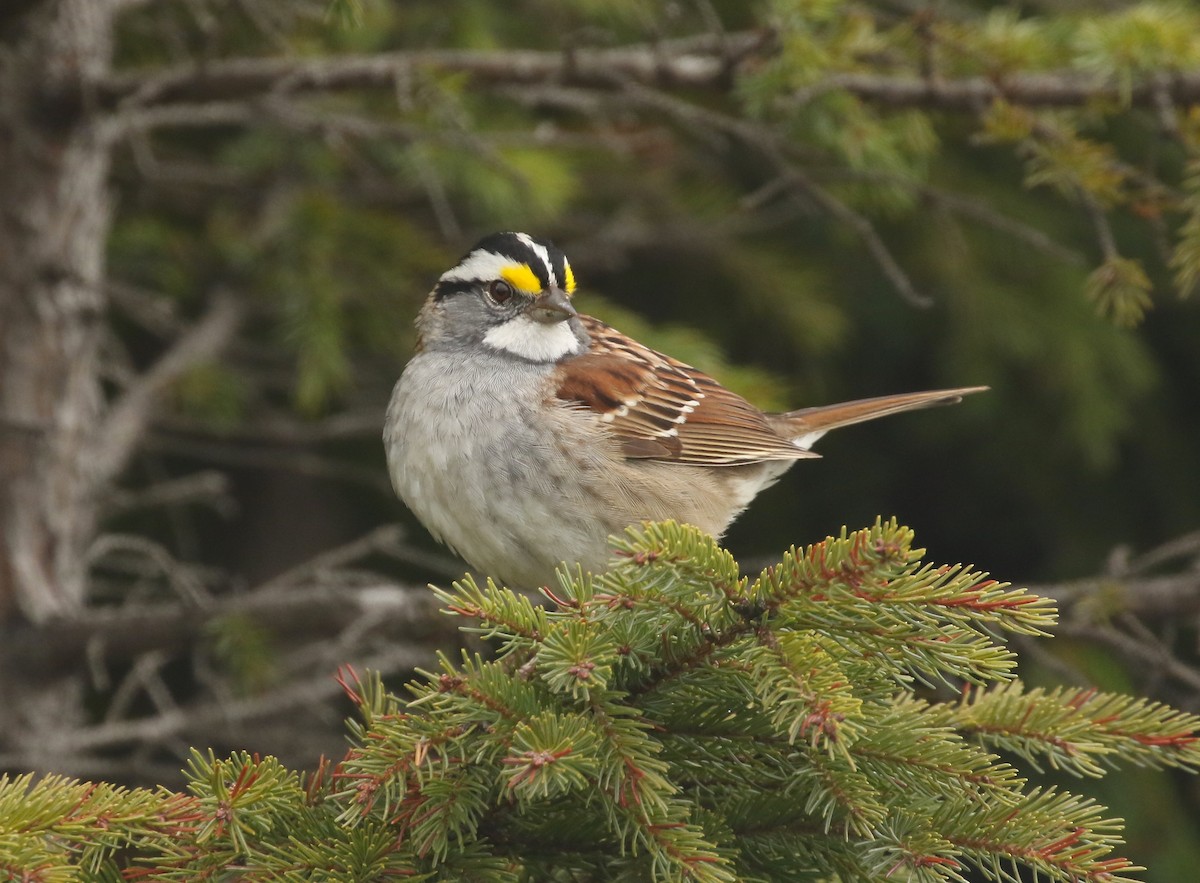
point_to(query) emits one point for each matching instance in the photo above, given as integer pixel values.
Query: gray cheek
(457, 323)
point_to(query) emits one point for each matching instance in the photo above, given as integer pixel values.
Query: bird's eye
(499, 292)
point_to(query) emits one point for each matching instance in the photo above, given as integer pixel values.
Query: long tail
(807, 425)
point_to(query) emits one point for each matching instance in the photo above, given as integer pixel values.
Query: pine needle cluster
(669, 720)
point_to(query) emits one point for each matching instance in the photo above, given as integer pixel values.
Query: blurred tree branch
(327, 189)
(1136, 610)
(701, 62)
(82, 751)
(1132, 584)
(1061, 89)
(325, 606)
(129, 415)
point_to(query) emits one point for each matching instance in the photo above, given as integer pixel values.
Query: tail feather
(807, 425)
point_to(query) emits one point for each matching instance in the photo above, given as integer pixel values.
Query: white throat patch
(533, 340)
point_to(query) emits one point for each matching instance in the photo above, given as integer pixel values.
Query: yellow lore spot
(569, 282)
(522, 278)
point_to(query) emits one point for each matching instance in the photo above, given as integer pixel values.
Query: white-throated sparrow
(522, 433)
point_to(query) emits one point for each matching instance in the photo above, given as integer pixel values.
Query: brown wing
(661, 409)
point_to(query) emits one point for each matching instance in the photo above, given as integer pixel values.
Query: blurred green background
(738, 226)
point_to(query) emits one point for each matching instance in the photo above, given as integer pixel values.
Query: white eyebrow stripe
(478, 265)
(540, 251)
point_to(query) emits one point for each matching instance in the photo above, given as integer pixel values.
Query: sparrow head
(511, 293)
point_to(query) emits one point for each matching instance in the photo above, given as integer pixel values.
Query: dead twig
(127, 420)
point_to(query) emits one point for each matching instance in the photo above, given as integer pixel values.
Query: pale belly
(517, 497)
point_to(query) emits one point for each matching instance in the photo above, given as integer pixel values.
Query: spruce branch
(1054, 833)
(501, 613)
(928, 622)
(1082, 731)
(52, 825)
(241, 799)
(669, 721)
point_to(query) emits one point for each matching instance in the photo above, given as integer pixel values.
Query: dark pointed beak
(551, 307)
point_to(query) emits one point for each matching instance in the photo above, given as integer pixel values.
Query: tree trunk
(54, 222)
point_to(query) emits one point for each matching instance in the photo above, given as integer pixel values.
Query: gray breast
(471, 452)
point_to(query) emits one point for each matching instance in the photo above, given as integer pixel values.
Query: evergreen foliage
(1030, 171)
(1021, 169)
(669, 720)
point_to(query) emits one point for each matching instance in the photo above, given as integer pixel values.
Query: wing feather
(662, 409)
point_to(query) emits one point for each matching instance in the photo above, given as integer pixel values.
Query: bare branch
(126, 633)
(284, 429)
(970, 94)
(1134, 613)
(1186, 546)
(204, 114)
(773, 148)
(1127, 586)
(983, 214)
(210, 487)
(173, 723)
(183, 579)
(1161, 597)
(866, 232)
(317, 597)
(153, 312)
(1104, 232)
(127, 420)
(388, 537)
(702, 61)
(1154, 657)
(960, 204)
(145, 676)
(213, 450)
